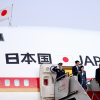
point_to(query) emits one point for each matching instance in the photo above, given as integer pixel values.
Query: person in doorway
(97, 75)
(60, 72)
(76, 70)
(83, 79)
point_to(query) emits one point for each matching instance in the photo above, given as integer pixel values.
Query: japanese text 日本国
(13, 58)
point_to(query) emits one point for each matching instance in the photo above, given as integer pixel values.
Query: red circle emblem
(65, 59)
(4, 12)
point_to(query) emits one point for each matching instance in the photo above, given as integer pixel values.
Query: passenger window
(16, 82)
(26, 82)
(7, 82)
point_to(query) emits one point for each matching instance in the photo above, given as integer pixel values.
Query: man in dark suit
(60, 72)
(97, 75)
(76, 70)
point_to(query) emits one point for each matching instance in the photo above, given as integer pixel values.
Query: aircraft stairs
(66, 89)
(70, 89)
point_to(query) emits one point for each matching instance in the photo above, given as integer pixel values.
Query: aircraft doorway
(68, 69)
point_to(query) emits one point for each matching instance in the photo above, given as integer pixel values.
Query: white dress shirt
(77, 68)
(82, 73)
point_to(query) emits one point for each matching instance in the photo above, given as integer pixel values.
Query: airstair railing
(55, 80)
(67, 73)
(92, 90)
(61, 76)
(69, 76)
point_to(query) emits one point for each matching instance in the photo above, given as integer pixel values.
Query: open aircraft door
(67, 88)
(46, 82)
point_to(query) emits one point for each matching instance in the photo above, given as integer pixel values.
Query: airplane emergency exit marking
(13, 58)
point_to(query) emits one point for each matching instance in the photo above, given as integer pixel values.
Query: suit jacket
(97, 75)
(83, 79)
(59, 73)
(75, 72)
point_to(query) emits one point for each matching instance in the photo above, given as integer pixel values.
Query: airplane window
(16, 82)
(7, 82)
(45, 81)
(26, 82)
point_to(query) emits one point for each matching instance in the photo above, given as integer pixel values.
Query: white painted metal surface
(46, 91)
(61, 88)
(75, 85)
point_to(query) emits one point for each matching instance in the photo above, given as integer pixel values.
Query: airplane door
(46, 83)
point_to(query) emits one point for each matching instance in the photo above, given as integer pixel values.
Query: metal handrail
(64, 75)
(86, 84)
(61, 76)
(91, 90)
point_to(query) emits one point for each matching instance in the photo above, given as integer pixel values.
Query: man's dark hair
(76, 61)
(81, 66)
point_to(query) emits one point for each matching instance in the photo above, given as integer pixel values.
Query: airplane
(24, 49)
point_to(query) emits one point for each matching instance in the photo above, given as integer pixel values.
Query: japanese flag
(5, 13)
(66, 60)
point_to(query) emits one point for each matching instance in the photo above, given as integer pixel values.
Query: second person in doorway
(83, 79)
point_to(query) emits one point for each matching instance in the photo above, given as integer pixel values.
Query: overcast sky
(77, 14)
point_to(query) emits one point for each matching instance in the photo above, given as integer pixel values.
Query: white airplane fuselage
(24, 49)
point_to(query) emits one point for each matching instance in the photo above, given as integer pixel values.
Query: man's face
(60, 66)
(77, 64)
